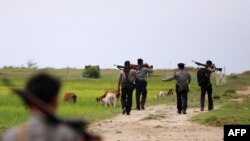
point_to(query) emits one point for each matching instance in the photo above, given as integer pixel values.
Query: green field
(12, 110)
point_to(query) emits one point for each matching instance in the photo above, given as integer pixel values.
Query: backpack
(203, 77)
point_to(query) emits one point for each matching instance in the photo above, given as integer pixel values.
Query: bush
(91, 72)
(230, 91)
(233, 76)
(216, 97)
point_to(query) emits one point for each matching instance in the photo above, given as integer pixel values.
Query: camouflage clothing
(131, 76)
(182, 77)
(38, 129)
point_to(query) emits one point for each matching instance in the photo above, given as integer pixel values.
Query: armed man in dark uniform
(141, 84)
(206, 87)
(126, 82)
(183, 79)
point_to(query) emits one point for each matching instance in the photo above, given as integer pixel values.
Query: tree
(91, 72)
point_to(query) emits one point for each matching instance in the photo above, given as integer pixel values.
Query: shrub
(230, 91)
(91, 72)
(216, 97)
(233, 76)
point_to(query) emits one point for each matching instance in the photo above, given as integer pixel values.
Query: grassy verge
(230, 113)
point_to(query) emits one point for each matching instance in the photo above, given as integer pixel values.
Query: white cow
(159, 95)
(109, 98)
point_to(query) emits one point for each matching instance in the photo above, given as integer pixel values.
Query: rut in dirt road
(156, 123)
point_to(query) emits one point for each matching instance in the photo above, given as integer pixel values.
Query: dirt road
(156, 123)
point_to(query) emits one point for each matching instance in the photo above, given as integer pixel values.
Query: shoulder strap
(126, 72)
(21, 133)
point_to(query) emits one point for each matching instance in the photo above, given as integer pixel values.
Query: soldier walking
(141, 84)
(183, 79)
(126, 82)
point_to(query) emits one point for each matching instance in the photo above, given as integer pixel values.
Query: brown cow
(70, 97)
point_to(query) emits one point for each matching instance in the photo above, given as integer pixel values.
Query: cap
(209, 62)
(181, 65)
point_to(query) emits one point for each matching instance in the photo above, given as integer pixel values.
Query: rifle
(204, 65)
(78, 125)
(132, 66)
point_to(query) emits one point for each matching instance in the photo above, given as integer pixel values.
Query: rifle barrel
(204, 65)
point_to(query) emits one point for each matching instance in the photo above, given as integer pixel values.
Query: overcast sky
(61, 33)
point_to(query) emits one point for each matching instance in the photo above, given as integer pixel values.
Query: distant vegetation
(91, 72)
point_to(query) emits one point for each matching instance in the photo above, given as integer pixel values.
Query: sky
(75, 33)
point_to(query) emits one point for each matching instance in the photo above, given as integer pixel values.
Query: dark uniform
(141, 87)
(207, 88)
(39, 129)
(183, 79)
(126, 79)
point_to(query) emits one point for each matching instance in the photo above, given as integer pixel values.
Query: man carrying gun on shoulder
(203, 77)
(141, 84)
(126, 82)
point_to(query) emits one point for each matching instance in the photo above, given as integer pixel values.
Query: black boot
(123, 111)
(210, 108)
(184, 112)
(142, 107)
(202, 108)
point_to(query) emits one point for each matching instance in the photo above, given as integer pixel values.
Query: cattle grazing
(109, 98)
(170, 92)
(70, 97)
(160, 95)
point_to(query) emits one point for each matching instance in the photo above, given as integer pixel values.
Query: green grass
(12, 110)
(230, 113)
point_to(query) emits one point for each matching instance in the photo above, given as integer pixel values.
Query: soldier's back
(38, 129)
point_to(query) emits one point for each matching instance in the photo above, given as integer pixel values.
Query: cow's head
(118, 94)
(74, 98)
(98, 99)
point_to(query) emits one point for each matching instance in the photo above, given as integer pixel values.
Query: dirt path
(156, 123)
(159, 123)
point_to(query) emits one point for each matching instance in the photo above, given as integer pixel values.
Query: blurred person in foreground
(39, 127)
